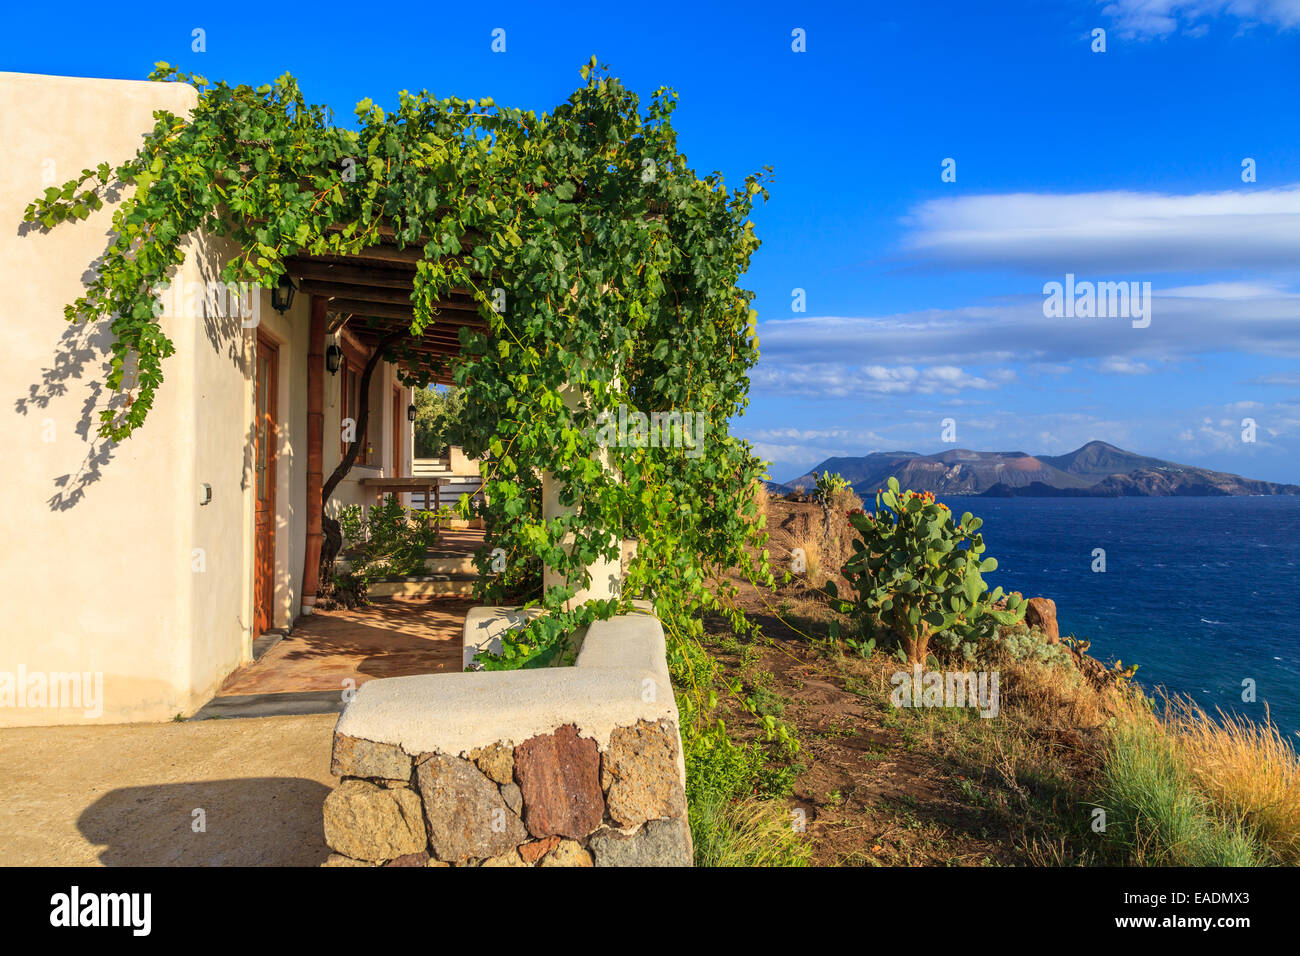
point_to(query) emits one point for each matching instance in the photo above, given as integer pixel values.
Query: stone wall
(578, 766)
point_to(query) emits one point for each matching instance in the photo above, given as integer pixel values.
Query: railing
(448, 493)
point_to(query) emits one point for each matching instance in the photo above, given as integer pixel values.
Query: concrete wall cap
(621, 677)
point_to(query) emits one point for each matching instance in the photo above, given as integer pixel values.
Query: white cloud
(1229, 290)
(1116, 365)
(820, 379)
(1158, 18)
(1120, 231)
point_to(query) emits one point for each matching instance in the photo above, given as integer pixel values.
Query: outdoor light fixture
(410, 413)
(333, 359)
(282, 294)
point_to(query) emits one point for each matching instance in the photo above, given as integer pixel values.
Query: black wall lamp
(410, 413)
(282, 293)
(333, 359)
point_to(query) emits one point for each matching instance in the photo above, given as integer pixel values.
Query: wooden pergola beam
(381, 253)
(450, 318)
(339, 273)
(428, 344)
(448, 337)
(352, 292)
(383, 273)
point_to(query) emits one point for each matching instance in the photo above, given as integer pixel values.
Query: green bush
(718, 767)
(916, 573)
(388, 544)
(989, 643)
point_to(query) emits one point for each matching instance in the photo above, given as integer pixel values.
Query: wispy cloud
(1279, 378)
(1158, 18)
(1230, 290)
(947, 350)
(847, 379)
(1120, 231)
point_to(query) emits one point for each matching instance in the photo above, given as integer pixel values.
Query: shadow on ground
(262, 821)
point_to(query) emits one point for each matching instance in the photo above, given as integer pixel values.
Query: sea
(1202, 593)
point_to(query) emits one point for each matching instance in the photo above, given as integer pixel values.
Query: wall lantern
(333, 359)
(410, 413)
(282, 294)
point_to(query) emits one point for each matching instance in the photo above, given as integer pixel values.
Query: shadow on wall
(79, 346)
(84, 352)
(262, 821)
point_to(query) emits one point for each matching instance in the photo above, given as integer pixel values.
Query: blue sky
(924, 298)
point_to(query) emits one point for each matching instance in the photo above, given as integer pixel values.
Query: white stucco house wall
(135, 561)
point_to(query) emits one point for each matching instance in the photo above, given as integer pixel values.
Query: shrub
(987, 642)
(349, 591)
(387, 544)
(915, 573)
(439, 420)
(1155, 814)
(716, 766)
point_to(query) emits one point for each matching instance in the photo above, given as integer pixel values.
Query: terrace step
(435, 562)
(431, 585)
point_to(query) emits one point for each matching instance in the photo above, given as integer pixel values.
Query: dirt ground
(879, 786)
(126, 794)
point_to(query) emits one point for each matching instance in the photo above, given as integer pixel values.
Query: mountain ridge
(1096, 469)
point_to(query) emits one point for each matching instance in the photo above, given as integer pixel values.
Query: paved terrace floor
(331, 652)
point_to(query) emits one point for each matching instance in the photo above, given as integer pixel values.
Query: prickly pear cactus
(917, 572)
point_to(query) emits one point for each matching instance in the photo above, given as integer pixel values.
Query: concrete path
(125, 794)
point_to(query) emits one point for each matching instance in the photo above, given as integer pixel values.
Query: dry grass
(1026, 771)
(1248, 770)
(807, 537)
(825, 552)
(747, 832)
(1059, 697)
(761, 498)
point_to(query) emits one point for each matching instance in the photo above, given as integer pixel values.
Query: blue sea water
(1203, 593)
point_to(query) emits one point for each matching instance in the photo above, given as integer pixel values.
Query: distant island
(1096, 470)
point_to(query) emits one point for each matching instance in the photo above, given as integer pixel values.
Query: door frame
(264, 614)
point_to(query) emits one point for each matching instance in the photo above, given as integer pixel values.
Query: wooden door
(264, 440)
